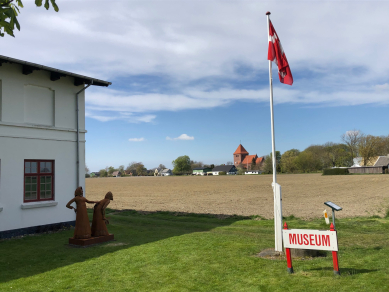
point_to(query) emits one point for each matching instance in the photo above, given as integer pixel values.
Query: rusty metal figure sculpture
(99, 227)
(82, 230)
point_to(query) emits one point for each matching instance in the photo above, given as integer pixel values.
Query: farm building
(244, 160)
(117, 173)
(166, 172)
(377, 164)
(228, 169)
(201, 170)
(42, 138)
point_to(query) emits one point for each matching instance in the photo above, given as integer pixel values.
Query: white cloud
(198, 40)
(105, 115)
(181, 137)
(380, 87)
(136, 139)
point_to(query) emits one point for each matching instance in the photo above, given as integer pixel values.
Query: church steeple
(239, 154)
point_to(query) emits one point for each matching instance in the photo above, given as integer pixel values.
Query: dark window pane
(45, 167)
(27, 188)
(27, 179)
(48, 179)
(43, 179)
(48, 194)
(34, 167)
(33, 196)
(33, 179)
(43, 187)
(48, 166)
(48, 186)
(33, 188)
(27, 196)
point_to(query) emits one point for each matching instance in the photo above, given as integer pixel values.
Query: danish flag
(277, 55)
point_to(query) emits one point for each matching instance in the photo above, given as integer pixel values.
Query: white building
(252, 172)
(41, 143)
(166, 172)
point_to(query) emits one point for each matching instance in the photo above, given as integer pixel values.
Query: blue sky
(200, 68)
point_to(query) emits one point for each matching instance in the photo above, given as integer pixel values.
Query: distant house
(377, 164)
(166, 172)
(201, 170)
(228, 169)
(117, 174)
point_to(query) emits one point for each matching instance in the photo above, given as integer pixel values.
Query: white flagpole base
(277, 216)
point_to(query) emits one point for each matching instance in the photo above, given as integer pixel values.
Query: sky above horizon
(191, 77)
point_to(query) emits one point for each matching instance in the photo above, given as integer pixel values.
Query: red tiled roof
(240, 150)
(259, 160)
(249, 158)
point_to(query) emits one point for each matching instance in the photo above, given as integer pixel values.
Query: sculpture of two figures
(83, 229)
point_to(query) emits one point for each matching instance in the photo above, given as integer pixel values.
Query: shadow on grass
(346, 271)
(35, 254)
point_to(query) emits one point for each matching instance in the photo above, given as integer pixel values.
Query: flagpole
(276, 187)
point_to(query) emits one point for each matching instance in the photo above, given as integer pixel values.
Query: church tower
(239, 154)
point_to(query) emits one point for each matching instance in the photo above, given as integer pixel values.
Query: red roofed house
(242, 157)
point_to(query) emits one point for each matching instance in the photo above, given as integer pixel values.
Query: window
(38, 180)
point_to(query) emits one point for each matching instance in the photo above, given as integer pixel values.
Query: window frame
(38, 174)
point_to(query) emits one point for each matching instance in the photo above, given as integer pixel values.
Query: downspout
(78, 136)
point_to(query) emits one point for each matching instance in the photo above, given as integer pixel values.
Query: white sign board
(310, 239)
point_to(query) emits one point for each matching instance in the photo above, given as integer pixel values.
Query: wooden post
(288, 255)
(335, 256)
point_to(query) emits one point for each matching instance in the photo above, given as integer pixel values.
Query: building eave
(28, 68)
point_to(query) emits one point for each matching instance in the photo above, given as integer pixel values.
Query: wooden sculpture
(82, 230)
(99, 227)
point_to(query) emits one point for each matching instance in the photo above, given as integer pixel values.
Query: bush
(222, 173)
(335, 171)
(87, 175)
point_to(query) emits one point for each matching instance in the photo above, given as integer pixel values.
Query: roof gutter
(78, 135)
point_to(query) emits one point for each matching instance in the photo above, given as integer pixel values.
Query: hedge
(335, 171)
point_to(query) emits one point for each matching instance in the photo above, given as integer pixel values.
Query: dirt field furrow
(303, 194)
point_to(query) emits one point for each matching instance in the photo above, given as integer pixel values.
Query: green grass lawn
(164, 252)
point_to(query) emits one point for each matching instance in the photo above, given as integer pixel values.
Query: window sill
(38, 204)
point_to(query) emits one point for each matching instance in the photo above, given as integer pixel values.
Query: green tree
(181, 164)
(121, 169)
(368, 147)
(307, 161)
(337, 155)
(196, 164)
(267, 166)
(103, 173)
(111, 169)
(288, 161)
(140, 169)
(132, 167)
(9, 12)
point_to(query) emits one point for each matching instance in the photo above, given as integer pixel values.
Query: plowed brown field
(303, 195)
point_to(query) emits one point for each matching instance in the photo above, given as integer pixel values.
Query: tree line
(315, 158)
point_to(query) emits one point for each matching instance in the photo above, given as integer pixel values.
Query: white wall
(33, 138)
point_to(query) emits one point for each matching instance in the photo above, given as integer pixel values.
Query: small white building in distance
(42, 145)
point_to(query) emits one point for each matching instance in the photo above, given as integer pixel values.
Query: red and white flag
(277, 55)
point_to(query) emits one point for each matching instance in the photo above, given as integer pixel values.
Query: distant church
(243, 159)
